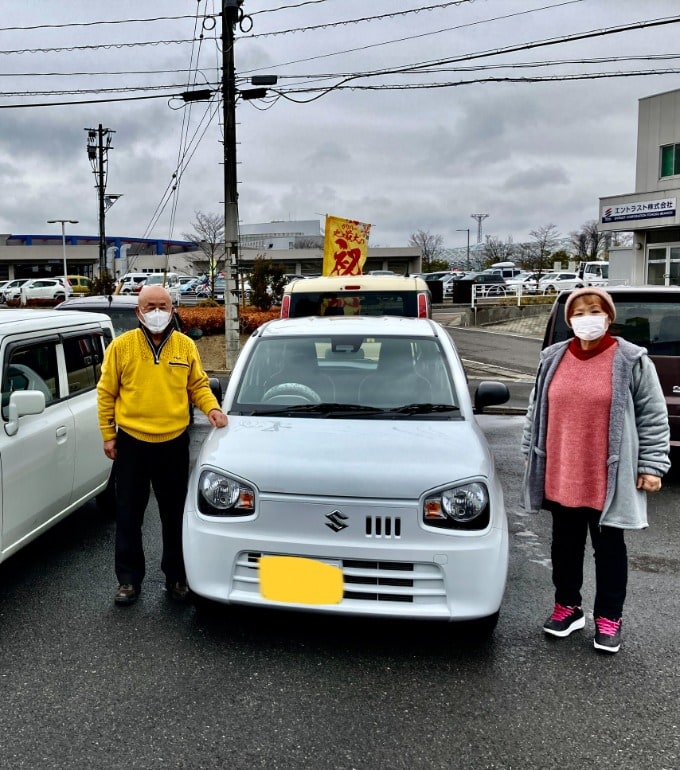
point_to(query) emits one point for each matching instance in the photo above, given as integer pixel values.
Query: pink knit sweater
(579, 400)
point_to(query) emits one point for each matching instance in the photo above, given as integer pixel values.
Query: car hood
(357, 458)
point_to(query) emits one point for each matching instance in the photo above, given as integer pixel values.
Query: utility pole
(230, 15)
(480, 218)
(98, 154)
(466, 230)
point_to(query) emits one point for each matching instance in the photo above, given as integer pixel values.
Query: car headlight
(461, 507)
(220, 495)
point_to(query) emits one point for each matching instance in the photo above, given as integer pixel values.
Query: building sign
(640, 210)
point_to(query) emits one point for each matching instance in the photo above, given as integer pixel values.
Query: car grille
(383, 526)
(364, 580)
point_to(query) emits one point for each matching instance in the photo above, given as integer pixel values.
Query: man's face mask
(156, 320)
(589, 327)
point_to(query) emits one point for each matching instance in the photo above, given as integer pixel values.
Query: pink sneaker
(564, 620)
(608, 634)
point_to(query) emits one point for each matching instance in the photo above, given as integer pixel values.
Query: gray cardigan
(639, 436)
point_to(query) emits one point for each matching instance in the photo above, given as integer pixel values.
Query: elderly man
(149, 376)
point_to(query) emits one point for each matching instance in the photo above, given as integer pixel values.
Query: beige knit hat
(607, 301)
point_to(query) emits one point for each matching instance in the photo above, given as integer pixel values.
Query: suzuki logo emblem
(336, 521)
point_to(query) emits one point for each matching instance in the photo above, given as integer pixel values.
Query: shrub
(210, 319)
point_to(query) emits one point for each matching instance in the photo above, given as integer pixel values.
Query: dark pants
(140, 465)
(570, 529)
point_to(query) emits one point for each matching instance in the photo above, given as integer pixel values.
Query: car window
(31, 367)
(374, 303)
(351, 370)
(83, 354)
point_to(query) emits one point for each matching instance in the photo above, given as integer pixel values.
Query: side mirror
(490, 393)
(216, 387)
(23, 402)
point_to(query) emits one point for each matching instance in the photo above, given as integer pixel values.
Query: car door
(38, 460)
(83, 356)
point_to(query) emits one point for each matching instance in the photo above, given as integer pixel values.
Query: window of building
(670, 160)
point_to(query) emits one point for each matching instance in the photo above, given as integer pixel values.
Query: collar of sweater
(575, 347)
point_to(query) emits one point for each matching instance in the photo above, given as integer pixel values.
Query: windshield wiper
(326, 409)
(423, 409)
(354, 410)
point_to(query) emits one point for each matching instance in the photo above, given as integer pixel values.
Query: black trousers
(140, 466)
(570, 530)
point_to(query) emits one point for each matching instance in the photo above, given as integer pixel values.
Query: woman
(595, 440)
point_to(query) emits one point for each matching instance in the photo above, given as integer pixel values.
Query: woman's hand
(648, 483)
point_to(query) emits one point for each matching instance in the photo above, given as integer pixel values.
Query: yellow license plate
(297, 580)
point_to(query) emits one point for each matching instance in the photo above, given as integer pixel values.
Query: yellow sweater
(147, 394)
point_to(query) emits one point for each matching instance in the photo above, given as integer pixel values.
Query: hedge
(210, 320)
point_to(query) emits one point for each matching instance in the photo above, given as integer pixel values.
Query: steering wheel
(291, 393)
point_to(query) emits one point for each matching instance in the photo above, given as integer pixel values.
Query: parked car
(169, 280)
(131, 283)
(80, 284)
(8, 291)
(648, 316)
(357, 295)
(487, 284)
(353, 478)
(120, 308)
(40, 288)
(551, 283)
(524, 282)
(50, 444)
(449, 281)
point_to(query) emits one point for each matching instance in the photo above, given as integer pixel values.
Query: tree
(266, 282)
(495, 250)
(536, 255)
(589, 243)
(431, 248)
(208, 236)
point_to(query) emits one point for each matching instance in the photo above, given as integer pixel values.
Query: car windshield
(371, 302)
(342, 376)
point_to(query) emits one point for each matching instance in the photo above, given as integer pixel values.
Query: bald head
(153, 297)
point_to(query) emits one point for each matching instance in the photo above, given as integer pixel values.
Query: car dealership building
(651, 211)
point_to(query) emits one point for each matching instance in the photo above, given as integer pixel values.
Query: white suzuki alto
(352, 478)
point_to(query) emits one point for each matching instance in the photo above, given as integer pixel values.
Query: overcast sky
(425, 157)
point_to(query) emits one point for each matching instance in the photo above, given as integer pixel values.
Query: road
(158, 685)
(488, 355)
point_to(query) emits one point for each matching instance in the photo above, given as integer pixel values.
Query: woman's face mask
(156, 321)
(589, 327)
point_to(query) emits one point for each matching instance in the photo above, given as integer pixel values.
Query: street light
(466, 230)
(63, 238)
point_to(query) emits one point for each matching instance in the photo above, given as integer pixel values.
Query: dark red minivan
(648, 316)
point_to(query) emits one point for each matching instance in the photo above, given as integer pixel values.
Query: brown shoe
(177, 591)
(126, 594)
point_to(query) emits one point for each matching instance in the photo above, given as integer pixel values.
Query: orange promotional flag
(345, 246)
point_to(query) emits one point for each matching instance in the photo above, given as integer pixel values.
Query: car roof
(364, 325)
(356, 283)
(30, 319)
(100, 301)
(670, 291)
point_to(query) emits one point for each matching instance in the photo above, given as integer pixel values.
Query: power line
(71, 24)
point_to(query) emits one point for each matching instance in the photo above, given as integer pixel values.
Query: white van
(51, 448)
(594, 273)
(357, 295)
(169, 280)
(504, 269)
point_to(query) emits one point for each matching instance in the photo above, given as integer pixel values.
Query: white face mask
(156, 320)
(589, 327)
